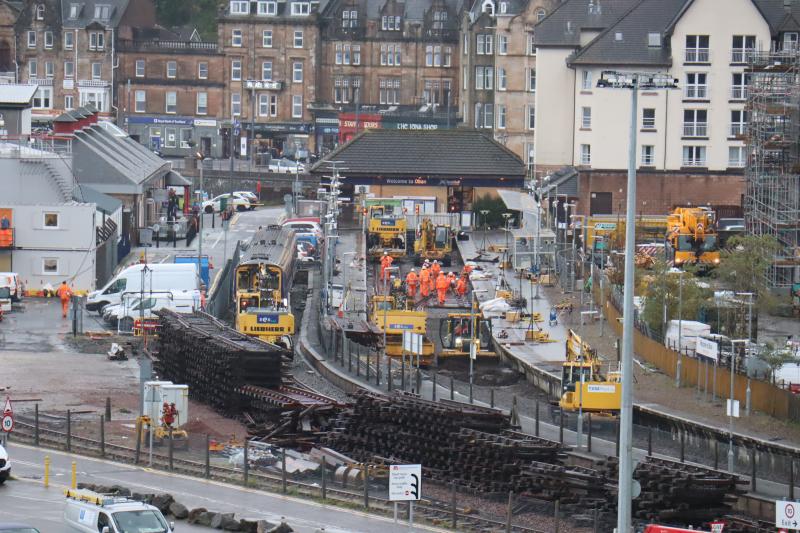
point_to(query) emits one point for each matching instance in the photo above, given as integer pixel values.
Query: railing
(694, 162)
(169, 45)
(41, 81)
(17, 147)
(695, 129)
(697, 55)
(696, 91)
(737, 129)
(739, 92)
(93, 83)
(742, 55)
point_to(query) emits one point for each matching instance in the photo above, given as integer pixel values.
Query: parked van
(91, 512)
(151, 277)
(11, 280)
(135, 306)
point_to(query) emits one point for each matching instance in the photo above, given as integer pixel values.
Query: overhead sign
(708, 348)
(412, 342)
(786, 515)
(265, 85)
(405, 483)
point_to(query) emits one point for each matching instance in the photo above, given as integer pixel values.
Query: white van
(91, 512)
(134, 306)
(156, 277)
(11, 280)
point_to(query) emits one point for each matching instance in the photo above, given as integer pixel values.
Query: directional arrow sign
(786, 515)
(405, 482)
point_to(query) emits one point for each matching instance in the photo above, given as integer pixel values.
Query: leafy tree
(775, 358)
(495, 206)
(661, 285)
(198, 13)
(744, 264)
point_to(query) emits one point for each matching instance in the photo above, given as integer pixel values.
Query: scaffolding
(772, 202)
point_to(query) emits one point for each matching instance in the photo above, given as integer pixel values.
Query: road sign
(7, 408)
(405, 483)
(7, 423)
(717, 527)
(708, 348)
(786, 514)
(732, 408)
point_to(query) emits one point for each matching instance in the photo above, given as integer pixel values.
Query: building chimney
(787, 5)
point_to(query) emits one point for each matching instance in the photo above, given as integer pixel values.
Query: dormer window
(391, 23)
(439, 19)
(102, 11)
(503, 7)
(540, 14)
(349, 18)
(40, 12)
(240, 7)
(487, 7)
(301, 8)
(74, 11)
(269, 8)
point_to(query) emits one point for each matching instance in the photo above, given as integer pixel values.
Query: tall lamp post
(387, 275)
(506, 218)
(200, 157)
(633, 82)
(473, 348)
(734, 342)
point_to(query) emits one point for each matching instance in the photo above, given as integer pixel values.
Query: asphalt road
(26, 500)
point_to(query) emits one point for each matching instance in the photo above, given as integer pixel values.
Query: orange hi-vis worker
(411, 283)
(451, 280)
(425, 280)
(461, 286)
(386, 262)
(435, 270)
(64, 293)
(442, 284)
(466, 271)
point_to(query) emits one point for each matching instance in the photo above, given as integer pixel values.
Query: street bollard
(453, 507)
(283, 470)
(171, 449)
(753, 469)
(36, 425)
(366, 486)
(69, 431)
(73, 484)
(138, 443)
(324, 478)
(108, 409)
(102, 436)
(791, 478)
(46, 471)
(208, 456)
(509, 511)
(245, 464)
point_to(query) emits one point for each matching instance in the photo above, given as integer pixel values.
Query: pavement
(25, 499)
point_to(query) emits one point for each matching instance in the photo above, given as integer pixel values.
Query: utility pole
(680, 330)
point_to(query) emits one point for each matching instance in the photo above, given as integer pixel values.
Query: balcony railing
(739, 92)
(45, 82)
(697, 55)
(202, 46)
(738, 129)
(742, 55)
(694, 162)
(696, 91)
(695, 129)
(93, 83)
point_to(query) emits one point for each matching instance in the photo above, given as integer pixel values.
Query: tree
(662, 286)
(200, 14)
(744, 265)
(775, 358)
(495, 206)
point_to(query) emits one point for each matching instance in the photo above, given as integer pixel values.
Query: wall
(30, 182)
(554, 107)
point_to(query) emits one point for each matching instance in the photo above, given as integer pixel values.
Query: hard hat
(412, 270)
(385, 253)
(435, 261)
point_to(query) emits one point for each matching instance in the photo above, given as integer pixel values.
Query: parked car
(13, 527)
(239, 203)
(287, 166)
(304, 252)
(5, 465)
(124, 315)
(250, 196)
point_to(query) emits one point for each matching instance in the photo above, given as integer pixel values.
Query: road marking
(219, 237)
(235, 219)
(163, 260)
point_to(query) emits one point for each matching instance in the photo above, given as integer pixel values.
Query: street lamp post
(484, 212)
(472, 346)
(506, 218)
(634, 82)
(680, 330)
(734, 342)
(387, 274)
(200, 157)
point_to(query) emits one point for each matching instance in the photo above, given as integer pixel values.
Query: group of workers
(431, 277)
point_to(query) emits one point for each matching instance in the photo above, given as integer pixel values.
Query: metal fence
(220, 295)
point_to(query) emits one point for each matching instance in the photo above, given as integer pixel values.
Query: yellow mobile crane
(692, 237)
(597, 393)
(433, 242)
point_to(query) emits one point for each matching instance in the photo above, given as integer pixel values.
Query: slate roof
(648, 16)
(105, 203)
(456, 152)
(87, 10)
(17, 94)
(562, 27)
(779, 17)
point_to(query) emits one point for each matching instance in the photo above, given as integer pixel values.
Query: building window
(341, 90)
(102, 11)
(301, 8)
(501, 117)
(140, 68)
(266, 39)
(350, 18)
(695, 123)
(648, 118)
(697, 49)
(50, 220)
(240, 7)
(236, 38)
(236, 70)
(484, 44)
(202, 70)
(268, 8)
(356, 54)
(437, 92)
(69, 40)
(69, 69)
(429, 56)
(297, 72)
(738, 122)
(390, 54)
(586, 80)
(202, 103)
(390, 23)
(737, 156)
(40, 12)
(390, 91)
(186, 136)
(586, 118)
(97, 40)
(68, 102)
(140, 98)
(502, 45)
(531, 118)
(742, 48)
(478, 115)
(466, 44)
(33, 69)
(172, 102)
(50, 266)
(273, 105)
(172, 69)
(532, 80)
(648, 155)
(439, 20)
(31, 39)
(484, 78)
(540, 14)
(266, 71)
(488, 116)
(263, 105)
(694, 156)
(531, 48)
(170, 137)
(43, 98)
(49, 70)
(96, 98)
(97, 71)
(236, 104)
(790, 41)
(297, 106)
(75, 10)
(696, 86)
(448, 56)
(586, 154)
(502, 80)
(298, 38)
(437, 56)
(739, 83)
(48, 39)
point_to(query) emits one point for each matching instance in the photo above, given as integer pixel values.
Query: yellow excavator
(386, 232)
(433, 242)
(692, 237)
(596, 393)
(399, 320)
(455, 333)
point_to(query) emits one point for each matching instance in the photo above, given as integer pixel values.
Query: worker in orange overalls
(467, 270)
(386, 262)
(424, 282)
(435, 269)
(451, 280)
(411, 284)
(461, 286)
(64, 293)
(442, 284)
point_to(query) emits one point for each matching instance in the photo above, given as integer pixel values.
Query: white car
(249, 196)
(238, 202)
(5, 465)
(286, 166)
(124, 315)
